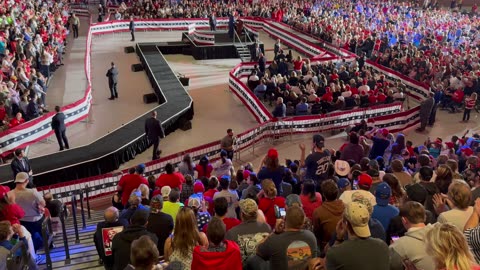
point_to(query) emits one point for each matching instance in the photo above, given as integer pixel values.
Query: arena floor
(216, 109)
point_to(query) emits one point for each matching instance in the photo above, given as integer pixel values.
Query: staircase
(83, 255)
(243, 52)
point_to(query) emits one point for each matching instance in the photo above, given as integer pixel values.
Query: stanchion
(74, 217)
(88, 201)
(46, 243)
(84, 225)
(65, 238)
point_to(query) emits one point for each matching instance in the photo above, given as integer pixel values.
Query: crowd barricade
(203, 38)
(391, 116)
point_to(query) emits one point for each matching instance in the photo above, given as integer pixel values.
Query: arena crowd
(377, 202)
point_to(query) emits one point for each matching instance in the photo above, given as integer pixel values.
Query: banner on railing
(203, 38)
(191, 28)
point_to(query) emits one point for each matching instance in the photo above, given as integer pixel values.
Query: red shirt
(267, 206)
(12, 213)
(309, 206)
(128, 183)
(208, 195)
(297, 65)
(381, 97)
(173, 180)
(230, 259)
(229, 223)
(372, 99)
(15, 122)
(204, 173)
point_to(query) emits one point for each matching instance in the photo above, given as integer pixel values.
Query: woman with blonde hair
(268, 201)
(179, 246)
(449, 249)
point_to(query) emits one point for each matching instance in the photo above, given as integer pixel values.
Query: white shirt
(456, 217)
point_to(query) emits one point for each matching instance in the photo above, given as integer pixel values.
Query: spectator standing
(220, 253)
(224, 165)
(383, 211)
(58, 126)
(317, 162)
(326, 217)
(460, 196)
(170, 178)
(469, 105)
(271, 169)
(112, 75)
(204, 168)
(426, 107)
(111, 216)
(448, 248)
(221, 210)
(360, 251)
(253, 187)
(159, 223)
(21, 163)
(250, 232)
(412, 245)
(353, 150)
(122, 241)
(130, 182)
(172, 206)
(144, 254)
(276, 48)
(32, 202)
(75, 22)
(187, 189)
(212, 21)
(270, 201)
(187, 166)
(282, 247)
(227, 143)
(154, 131)
(230, 195)
(311, 200)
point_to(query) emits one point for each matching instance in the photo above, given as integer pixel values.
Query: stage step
(243, 52)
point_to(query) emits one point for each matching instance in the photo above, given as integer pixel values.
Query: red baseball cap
(198, 187)
(246, 174)
(384, 132)
(272, 153)
(364, 180)
(450, 145)
(467, 151)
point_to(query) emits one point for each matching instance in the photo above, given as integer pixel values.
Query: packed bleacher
(32, 42)
(377, 202)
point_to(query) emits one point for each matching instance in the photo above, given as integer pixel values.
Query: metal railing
(47, 236)
(19, 262)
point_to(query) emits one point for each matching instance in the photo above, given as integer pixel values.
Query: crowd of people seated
(32, 42)
(321, 87)
(377, 202)
(437, 47)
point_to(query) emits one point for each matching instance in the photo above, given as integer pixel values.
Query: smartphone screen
(283, 212)
(395, 238)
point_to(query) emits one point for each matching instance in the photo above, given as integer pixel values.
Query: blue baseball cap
(343, 183)
(383, 193)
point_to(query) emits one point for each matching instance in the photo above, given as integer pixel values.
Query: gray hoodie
(412, 247)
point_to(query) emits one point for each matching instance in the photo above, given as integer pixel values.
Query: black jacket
(131, 27)
(160, 224)
(122, 242)
(58, 121)
(112, 75)
(153, 129)
(98, 239)
(17, 166)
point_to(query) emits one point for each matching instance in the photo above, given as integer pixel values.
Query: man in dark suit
(131, 27)
(213, 22)
(58, 125)
(20, 163)
(154, 131)
(262, 63)
(112, 75)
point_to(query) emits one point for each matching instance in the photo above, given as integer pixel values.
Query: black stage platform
(224, 46)
(121, 145)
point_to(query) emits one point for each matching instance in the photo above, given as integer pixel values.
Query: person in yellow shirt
(172, 206)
